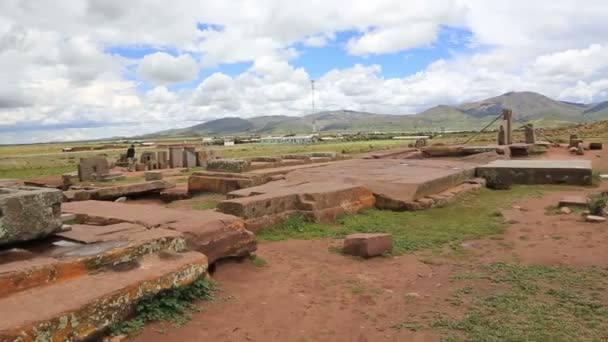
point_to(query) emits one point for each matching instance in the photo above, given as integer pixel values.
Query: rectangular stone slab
(76, 309)
(574, 172)
(215, 234)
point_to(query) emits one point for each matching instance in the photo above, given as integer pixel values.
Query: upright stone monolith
(530, 134)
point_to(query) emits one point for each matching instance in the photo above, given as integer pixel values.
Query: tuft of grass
(597, 204)
(257, 261)
(175, 305)
(411, 326)
(533, 303)
(474, 216)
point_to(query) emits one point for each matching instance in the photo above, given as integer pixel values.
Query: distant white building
(295, 139)
(228, 142)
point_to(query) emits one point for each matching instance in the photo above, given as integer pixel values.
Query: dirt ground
(309, 292)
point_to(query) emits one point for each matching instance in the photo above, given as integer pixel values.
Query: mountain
(527, 107)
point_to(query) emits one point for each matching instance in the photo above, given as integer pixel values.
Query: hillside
(527, 106)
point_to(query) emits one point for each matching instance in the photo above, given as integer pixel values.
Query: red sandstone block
(367, 245)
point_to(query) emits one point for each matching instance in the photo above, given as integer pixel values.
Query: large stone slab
(76, 309)
(215, 234)
(114, 192)
(392, 181)
(272, 203)
(82, 250)
(575, 172)
(28, 213)
(228, 165)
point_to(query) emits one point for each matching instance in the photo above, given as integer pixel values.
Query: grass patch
(257, 261)
(474, 216)
(175, 305)
(597, 204)
(533, 303)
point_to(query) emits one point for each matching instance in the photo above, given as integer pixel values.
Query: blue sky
(317, 61)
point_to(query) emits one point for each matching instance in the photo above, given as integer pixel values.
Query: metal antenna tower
(312, 101)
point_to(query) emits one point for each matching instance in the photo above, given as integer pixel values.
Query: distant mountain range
(527, 106)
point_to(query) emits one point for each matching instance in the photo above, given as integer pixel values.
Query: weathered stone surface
(6, 182)
(574, 201)
(576, 172)
(176, 156)
(215, 234)
(89, 167)
(304, 157)
(530, 134)
(565, 210)
(267, 159)
(179, 192)
(70, 179)
(153, 175)
(273, 202)
(595, 219)
(202, 157)
(110, 176)
(596, 146)
(120, 200)
(28, 213)
(228, 165)
(114, 192)
(189, 157)
(400, 180)
(367, 245)
(85, 249)
(76, 309)
(162, 159)
(220, 182)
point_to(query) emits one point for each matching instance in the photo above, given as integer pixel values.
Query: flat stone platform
(325, 192)
(575, 172)
(398, 180)
(215, 234)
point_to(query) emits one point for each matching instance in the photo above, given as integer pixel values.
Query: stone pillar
(162, 159)
(189, 157)
(201, 159)
(176, 156)
(574, 140)
(507, 116)
(501, 136)
(530, 134)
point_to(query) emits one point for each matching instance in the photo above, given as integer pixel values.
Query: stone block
(153, 175)
(189, 157)
(140, 167)
(596, 146)
(228, 165)
(114, 192)
(574, 201)
(266, 159)
(162, 159)
(176, 156)
(367, 245)
(28, 213)
(147, 156)
(89, 167)
(70, 178)
(595, 219)
(574, 172)
(201, 158)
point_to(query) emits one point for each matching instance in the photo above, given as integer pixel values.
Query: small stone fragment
(565, 210)
(121, 200)
(595, 219)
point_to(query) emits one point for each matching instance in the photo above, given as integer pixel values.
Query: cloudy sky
(77, 69)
